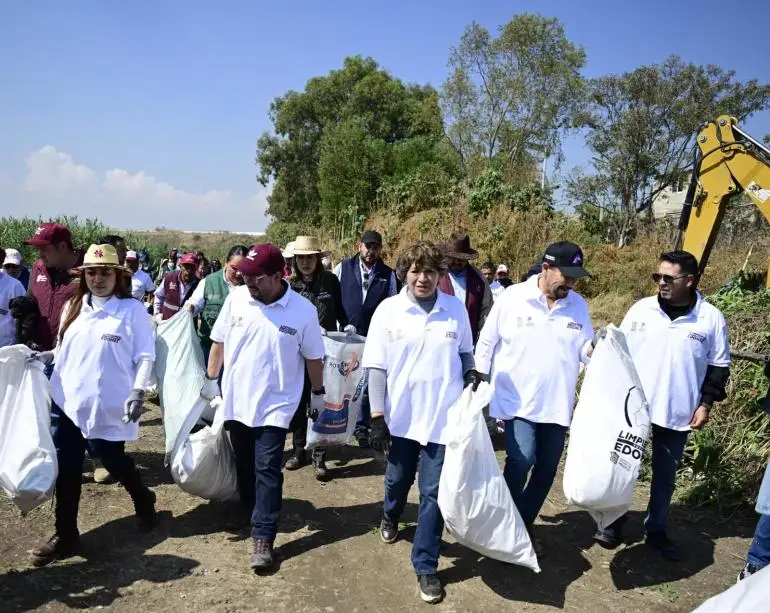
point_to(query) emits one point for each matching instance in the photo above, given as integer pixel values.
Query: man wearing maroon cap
(176, 288)
(52, 280)
(265, 336)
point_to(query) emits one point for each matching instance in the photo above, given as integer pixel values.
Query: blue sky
(146, 113)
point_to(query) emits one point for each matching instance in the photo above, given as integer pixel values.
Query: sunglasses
(667, 279)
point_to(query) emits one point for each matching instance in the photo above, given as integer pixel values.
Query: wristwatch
(319, 392)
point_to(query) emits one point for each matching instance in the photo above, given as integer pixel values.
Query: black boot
(65, 542)
(144, 501)
(298, 460)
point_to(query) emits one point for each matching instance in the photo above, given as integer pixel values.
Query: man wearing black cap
(533, 342)
(365, 281)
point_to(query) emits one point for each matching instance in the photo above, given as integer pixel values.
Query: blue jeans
(399, 476)
(365, 418)
(258, 457)
(71, 447)
(759, 551)
(536, 447)
(667, 449)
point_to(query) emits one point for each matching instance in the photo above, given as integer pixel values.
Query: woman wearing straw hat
(310, 279)
(102, 364)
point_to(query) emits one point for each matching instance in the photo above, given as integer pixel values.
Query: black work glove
(379, 435)
(472, 378)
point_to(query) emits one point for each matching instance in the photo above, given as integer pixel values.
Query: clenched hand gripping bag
(28, 465)
(344, 382)
(473, 497)
(608, 434)
(180, 373)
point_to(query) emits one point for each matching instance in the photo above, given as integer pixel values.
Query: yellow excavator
(728, 161)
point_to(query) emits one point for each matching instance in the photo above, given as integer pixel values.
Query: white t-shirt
(10, 288)
(671, 357)
(96, 365)
(141, 284)
(265, 347)
(496, 289)
(198, 296)
(533, 354)
(420, 354)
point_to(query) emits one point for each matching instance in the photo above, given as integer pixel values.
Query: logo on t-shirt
(638, 326)
(573, 325)
(172, 285)
(112, 338)
(452, 335)
(288, 330)
(696, 337)
(42, 278)
(236, 322)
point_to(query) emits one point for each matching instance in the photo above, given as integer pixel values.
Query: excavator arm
(728, 162)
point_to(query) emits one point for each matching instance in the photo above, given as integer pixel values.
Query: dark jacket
(478, 298)
(360, 311)
(325, 294)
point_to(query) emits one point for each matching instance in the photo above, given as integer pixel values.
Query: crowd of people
(434, 325)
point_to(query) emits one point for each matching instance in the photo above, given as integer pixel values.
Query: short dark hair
(687, 262)
(241, 250)
(111, 239)
(425, 255)
(488, 265)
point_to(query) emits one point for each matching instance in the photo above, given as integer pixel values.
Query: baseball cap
(131, 255)
(50, 234)
(371, 236)
(502, 268)
(262, 259)
(188, 258)
(567, 257)
(12, 256)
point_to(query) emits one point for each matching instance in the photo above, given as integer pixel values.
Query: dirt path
(331, 558)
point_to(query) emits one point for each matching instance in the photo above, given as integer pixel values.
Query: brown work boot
(298, 460)
(261, 554)
(55, 548)
(64, 543)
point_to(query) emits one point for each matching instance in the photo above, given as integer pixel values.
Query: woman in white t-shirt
(419, 355)
(102, 364)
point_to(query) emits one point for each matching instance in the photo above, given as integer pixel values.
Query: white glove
(316, 404)
(46, 357)
(350, 329)
(134, 406)
(210, 389)
(158, 318)
(323, 331)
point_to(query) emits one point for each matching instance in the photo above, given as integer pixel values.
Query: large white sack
(344, 383)
(180, 373)
(473, 497)
(608, 434)
(203, 463)
(28, 465)
(751, 595)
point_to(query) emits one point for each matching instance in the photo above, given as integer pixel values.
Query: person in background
(145, 261)
(488, 272)
(168, 265)
(53, 279)
(265, 337)
(535, 338)
(465, 282)
(681, 351)
(326, 262)
(13, 264)
(210, 294)
(365, 281)
(103, 362)
(118, 242)
(26, 314)
(216, 265)
(176, 288)
(288, 256)
(533, 270)
(141, 284)
(10, 288)
(502, 276)
(322, 288)
(431, 331)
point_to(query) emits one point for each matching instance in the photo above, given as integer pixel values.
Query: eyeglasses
(366, 281)
(667, 279)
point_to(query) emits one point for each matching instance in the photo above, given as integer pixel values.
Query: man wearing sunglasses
(680, 348)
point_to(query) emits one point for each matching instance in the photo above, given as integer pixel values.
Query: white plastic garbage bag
(180, 373)
(344, 383)
(203, 463)
(608, 434)
(28, 465)
(473, 497)
(751, 595)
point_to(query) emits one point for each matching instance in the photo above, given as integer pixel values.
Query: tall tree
(360, 108)
(641, 129)
(513, 95)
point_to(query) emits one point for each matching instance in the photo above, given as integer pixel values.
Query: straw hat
(100, 256)
(307, 245)
(288, 252)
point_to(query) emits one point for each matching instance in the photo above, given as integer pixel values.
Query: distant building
(668, 203)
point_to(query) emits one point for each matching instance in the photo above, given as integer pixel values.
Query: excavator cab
(727, 162)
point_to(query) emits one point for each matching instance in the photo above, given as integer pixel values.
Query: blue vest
(360, 315)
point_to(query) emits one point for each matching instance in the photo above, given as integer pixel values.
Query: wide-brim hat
(288, 251)
(102, 256)
(307, 245)
(459, 247)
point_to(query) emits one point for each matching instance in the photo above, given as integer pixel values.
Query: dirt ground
(332, 560)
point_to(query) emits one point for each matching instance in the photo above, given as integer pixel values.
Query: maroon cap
(50, 234)
(188, 258)
(262, 259)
